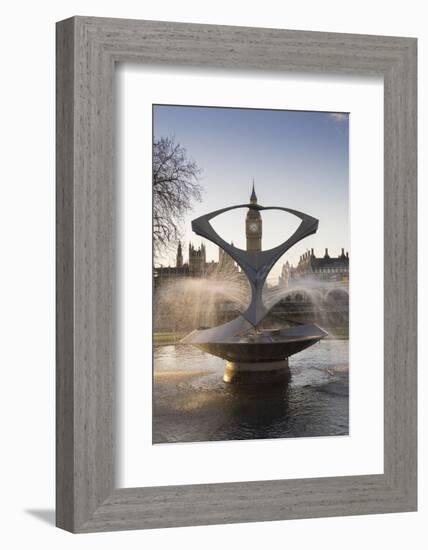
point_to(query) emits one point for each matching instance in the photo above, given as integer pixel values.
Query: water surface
(192, 403)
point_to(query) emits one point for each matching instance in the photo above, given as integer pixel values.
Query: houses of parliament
(197, 265)
(324, 268)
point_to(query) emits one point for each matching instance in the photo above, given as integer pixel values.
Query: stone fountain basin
(249, 346)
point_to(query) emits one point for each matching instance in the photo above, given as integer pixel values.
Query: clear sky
(298, 159)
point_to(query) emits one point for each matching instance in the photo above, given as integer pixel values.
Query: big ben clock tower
(253, 225)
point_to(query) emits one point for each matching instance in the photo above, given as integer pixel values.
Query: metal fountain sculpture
(255, 355)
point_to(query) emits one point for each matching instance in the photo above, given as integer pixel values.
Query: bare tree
(175, 185)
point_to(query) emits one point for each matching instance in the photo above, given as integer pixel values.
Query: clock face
(253, 227)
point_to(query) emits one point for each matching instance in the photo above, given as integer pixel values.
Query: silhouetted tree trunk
(175, 186)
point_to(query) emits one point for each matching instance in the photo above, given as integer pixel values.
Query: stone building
(197, 265)
(253, 225)
(197, 260)
(226, 262)
(334, 269)
(179, 257)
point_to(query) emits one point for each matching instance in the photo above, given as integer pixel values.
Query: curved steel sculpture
(255, 355)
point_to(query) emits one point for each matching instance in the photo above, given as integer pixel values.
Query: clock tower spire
(253, 225)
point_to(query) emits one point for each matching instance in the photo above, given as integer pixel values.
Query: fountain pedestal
(254, 357)
(272, 372)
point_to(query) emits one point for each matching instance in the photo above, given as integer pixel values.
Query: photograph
(251, 253)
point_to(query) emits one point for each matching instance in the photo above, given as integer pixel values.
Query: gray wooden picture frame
(87, 50)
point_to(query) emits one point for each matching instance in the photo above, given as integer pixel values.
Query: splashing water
(195, 302)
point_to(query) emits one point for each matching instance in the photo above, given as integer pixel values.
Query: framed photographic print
(244, 342)
(236, 274)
